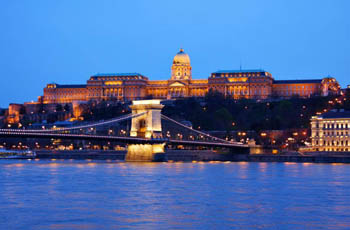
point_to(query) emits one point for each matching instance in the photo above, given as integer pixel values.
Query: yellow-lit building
(237, 84)
(330, 132)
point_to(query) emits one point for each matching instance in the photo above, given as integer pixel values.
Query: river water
(70, 194)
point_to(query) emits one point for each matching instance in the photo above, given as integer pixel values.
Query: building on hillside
(330, 132)
(14, 113)
(250, 84)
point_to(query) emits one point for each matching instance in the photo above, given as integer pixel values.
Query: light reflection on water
(108, 194)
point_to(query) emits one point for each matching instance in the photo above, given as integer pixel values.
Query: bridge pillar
(148, 126)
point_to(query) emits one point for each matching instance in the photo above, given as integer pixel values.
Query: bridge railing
(217, 139)
(92, 125)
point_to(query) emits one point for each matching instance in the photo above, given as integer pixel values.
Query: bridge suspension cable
(114, 120)
(194, 130)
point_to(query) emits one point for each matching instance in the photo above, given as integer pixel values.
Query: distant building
(330, 132)
(252, 84)
(14, 113)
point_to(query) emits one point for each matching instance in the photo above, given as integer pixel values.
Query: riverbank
(193, 155)
(81, 154)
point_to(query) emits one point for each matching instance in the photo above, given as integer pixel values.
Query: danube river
(67, 194)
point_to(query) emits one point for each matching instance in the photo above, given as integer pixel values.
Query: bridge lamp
(9, 125)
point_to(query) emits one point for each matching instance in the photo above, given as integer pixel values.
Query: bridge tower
(147, 126)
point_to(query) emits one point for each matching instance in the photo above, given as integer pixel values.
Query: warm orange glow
(113, 83)
(274, 151)
(243, 79)
(231, 84)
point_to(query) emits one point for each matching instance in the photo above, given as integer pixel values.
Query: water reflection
(90, 194)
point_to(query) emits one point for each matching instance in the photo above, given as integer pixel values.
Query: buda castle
(236, 84)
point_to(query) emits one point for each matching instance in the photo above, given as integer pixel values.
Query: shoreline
(192, 155)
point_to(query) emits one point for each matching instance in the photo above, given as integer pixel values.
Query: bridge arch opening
(141, 128)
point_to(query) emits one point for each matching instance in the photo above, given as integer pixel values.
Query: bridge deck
(128, 140)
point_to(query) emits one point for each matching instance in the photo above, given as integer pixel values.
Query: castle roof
(70, 86)
(336, 114)
(116, 74)
(241, 71)
(297, 81)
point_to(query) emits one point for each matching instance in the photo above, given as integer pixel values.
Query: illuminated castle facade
(237, 84)
(330, 131)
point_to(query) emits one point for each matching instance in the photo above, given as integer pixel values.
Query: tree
(22, 110)
(59, 108)
(66, 108)
(223, 118)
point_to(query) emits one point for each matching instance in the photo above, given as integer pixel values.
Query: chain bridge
(146, 139)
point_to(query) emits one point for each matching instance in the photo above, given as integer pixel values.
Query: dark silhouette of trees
(66, 108)
(59, 108)
(215, 112)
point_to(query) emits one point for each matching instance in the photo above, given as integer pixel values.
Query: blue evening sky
(66, 41)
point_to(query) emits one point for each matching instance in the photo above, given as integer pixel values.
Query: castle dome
(181, 58)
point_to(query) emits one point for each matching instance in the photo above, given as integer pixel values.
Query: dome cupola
(181, 68)
(181, 58)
